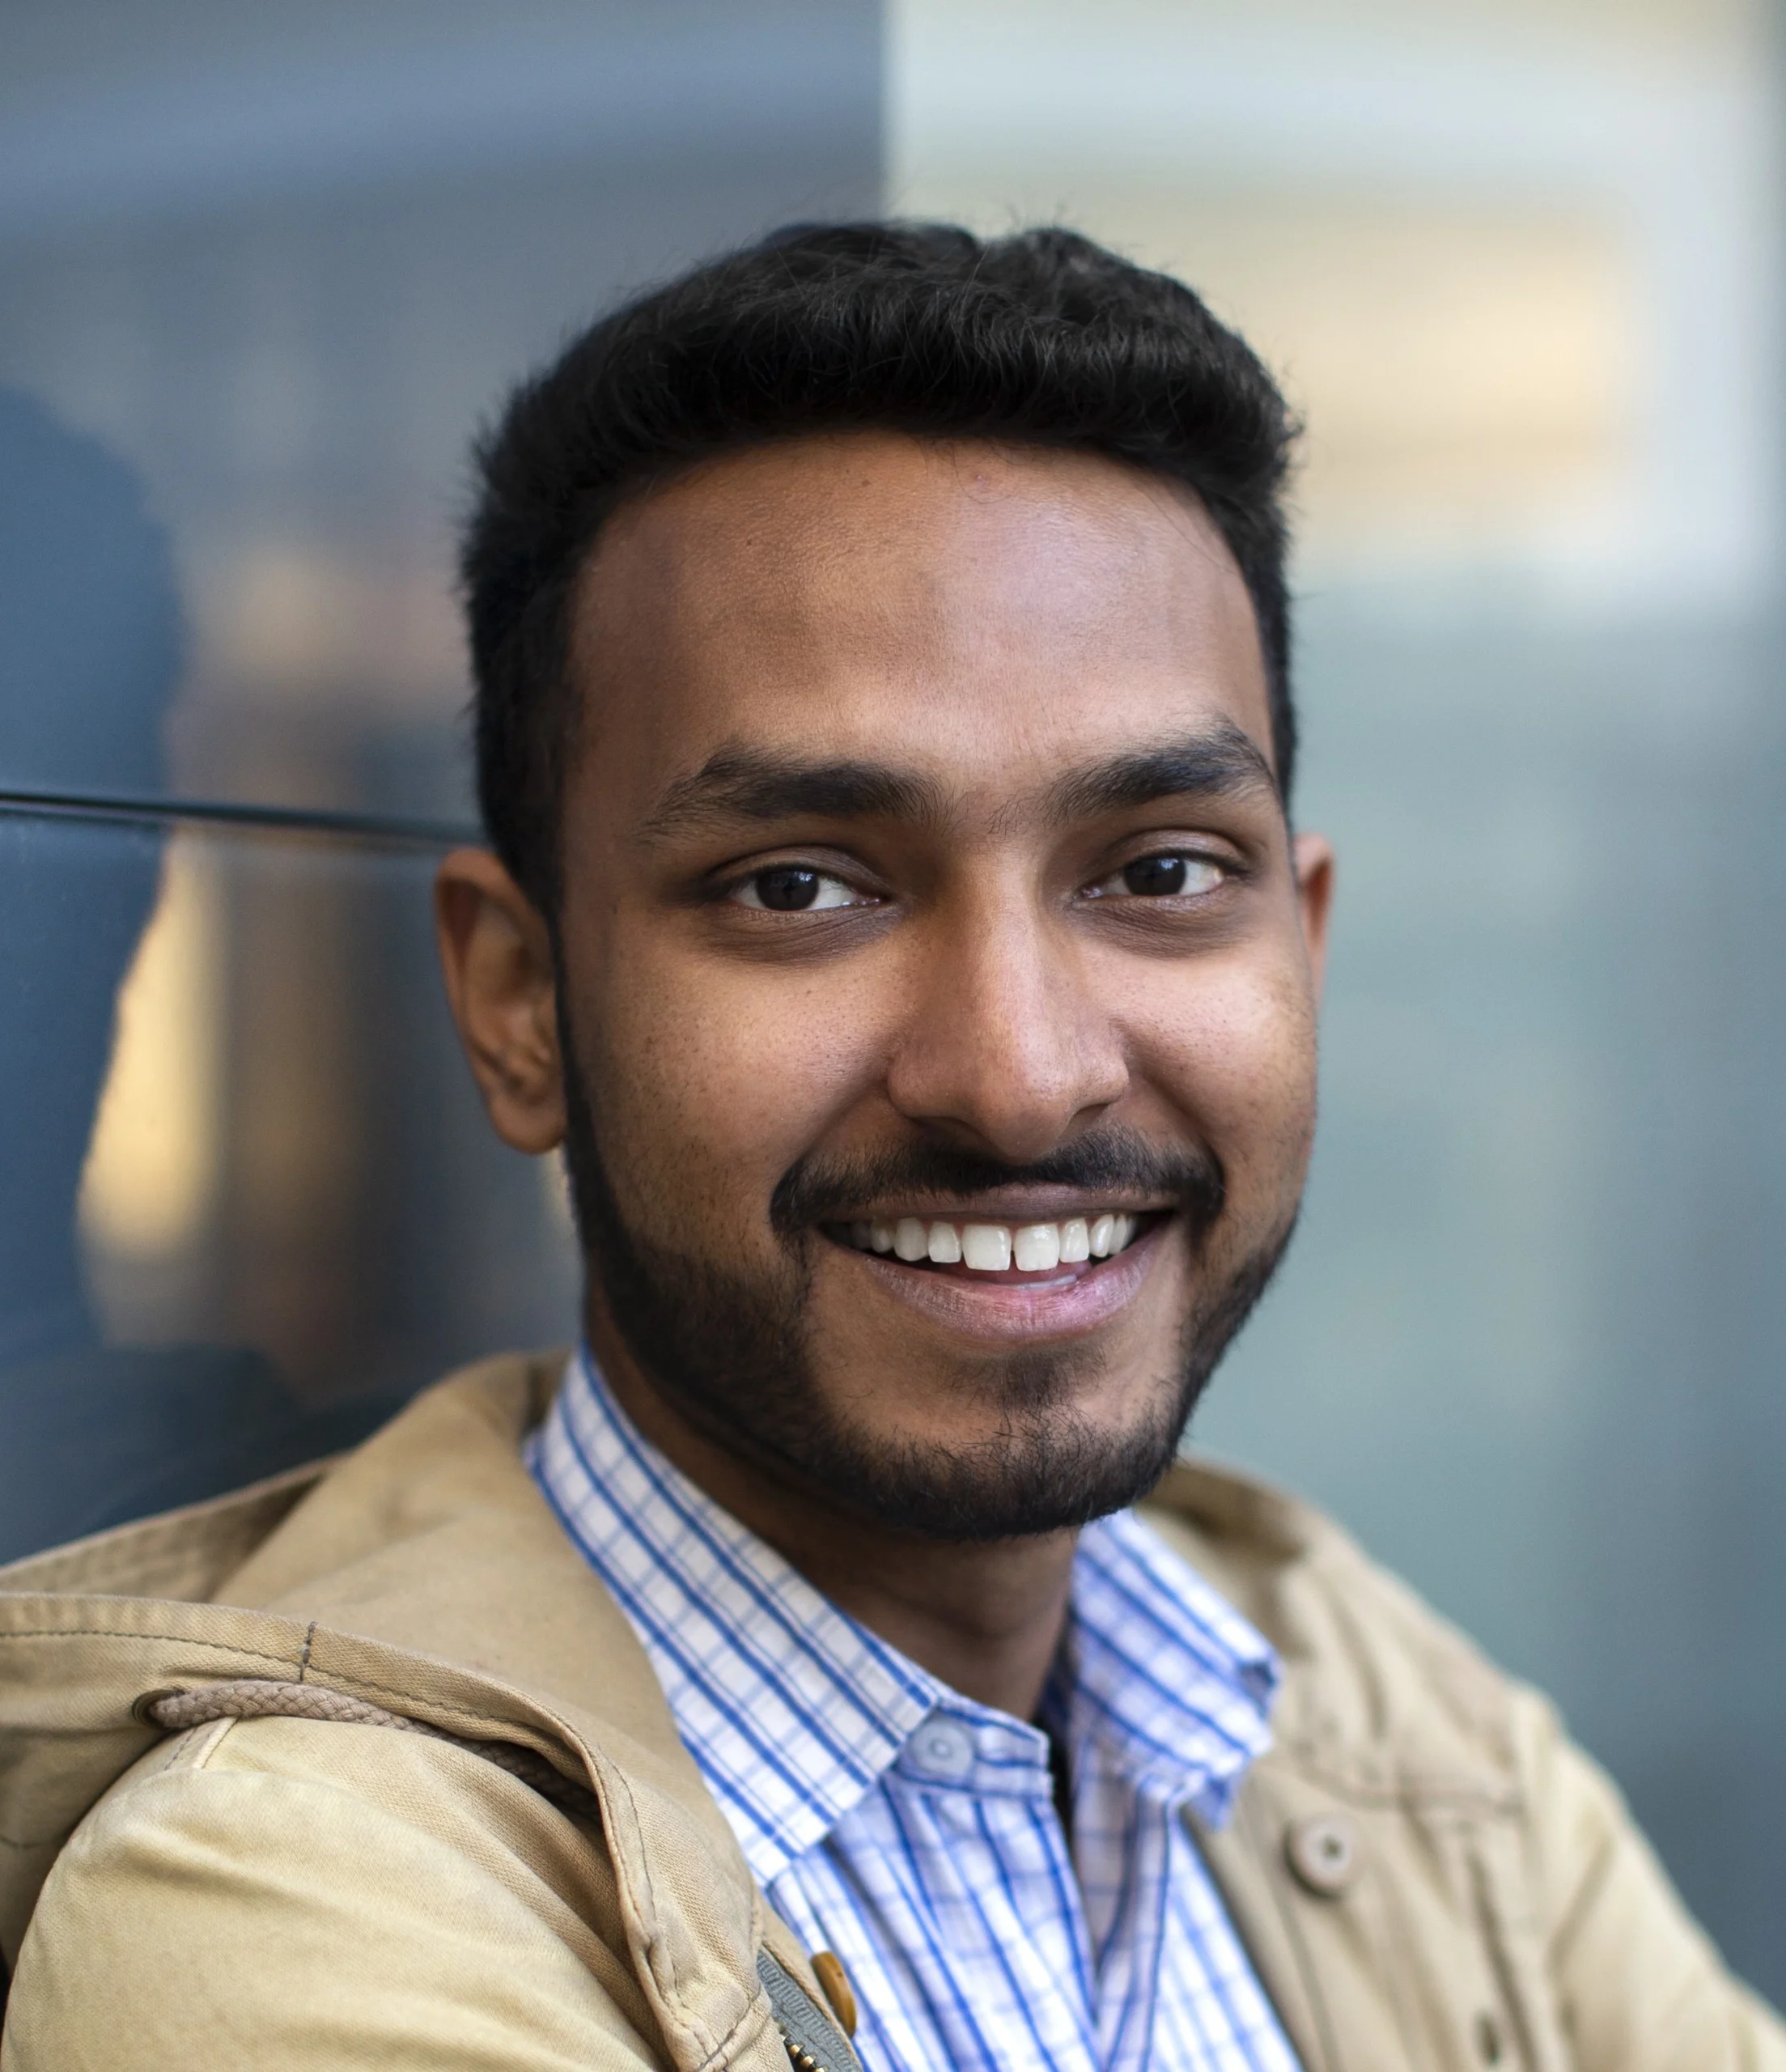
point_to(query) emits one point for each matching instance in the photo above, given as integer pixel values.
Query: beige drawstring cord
(250, 1697)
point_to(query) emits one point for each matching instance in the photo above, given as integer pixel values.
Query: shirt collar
(794, 1711)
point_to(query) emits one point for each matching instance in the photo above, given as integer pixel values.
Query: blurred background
(262, 272)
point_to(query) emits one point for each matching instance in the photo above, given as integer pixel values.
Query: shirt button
(1323, 1853)
(943, 1748)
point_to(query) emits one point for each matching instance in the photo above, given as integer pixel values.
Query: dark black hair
(1042, 338)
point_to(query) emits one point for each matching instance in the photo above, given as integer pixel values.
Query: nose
(1005, 1046)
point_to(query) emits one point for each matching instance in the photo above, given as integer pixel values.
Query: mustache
(816, 1189)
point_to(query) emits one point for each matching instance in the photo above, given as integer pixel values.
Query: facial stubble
(733, 1354)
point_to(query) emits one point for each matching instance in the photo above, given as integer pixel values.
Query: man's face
(925, 884)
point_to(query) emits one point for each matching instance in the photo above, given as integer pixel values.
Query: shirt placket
(1129, 1976)
(1000, 1885)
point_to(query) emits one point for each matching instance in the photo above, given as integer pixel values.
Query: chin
(1033, 1464)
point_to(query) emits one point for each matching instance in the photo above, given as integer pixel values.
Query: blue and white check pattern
(914, 1832)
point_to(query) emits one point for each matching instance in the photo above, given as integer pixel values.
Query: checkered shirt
(914, 1832)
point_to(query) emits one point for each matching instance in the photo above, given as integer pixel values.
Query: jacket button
(1323, 1851)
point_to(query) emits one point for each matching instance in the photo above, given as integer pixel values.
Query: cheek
(1232, 1049)
(708, 1083)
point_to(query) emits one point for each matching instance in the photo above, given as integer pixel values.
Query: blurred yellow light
(152, 1164)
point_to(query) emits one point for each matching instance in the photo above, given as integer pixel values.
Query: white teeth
(911, 1240)
(996, 1247)
(945, 1244)
(985, 1248)
(1037, 1247)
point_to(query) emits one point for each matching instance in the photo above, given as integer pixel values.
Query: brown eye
(1156, 877)
(794, 889)
(1166, 874)
(786, 891)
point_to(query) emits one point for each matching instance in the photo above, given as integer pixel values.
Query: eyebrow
(739, 783)
(1223, 763)
(744, 783)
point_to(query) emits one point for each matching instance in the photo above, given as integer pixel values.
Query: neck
(984, 1618)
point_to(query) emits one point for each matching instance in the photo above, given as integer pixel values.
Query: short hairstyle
(1041, 338)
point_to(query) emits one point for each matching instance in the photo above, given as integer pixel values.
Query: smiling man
(894, 912)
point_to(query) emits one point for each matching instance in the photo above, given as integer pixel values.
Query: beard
(732, 1353)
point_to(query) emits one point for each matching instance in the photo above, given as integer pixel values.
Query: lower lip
(1076, 1301)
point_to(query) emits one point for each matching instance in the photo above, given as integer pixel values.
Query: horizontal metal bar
(383, 828)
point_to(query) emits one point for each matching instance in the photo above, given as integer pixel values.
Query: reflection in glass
(281, 1209)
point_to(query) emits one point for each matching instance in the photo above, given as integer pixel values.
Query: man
(892, 909)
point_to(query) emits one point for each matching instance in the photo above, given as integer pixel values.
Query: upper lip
(1021, 1205)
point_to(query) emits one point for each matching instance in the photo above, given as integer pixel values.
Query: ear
(1314, 855)
(496, 954)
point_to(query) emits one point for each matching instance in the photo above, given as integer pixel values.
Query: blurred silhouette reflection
(90, 657)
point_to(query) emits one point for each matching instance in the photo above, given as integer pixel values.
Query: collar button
(943, 1748)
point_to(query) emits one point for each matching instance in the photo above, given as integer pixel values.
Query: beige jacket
(1428, 1876)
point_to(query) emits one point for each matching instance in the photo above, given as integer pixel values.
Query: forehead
(985, 615)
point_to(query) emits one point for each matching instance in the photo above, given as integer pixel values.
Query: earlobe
(1314, 859)
(496, 958)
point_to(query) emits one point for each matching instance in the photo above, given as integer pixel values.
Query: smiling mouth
(970, 1247)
